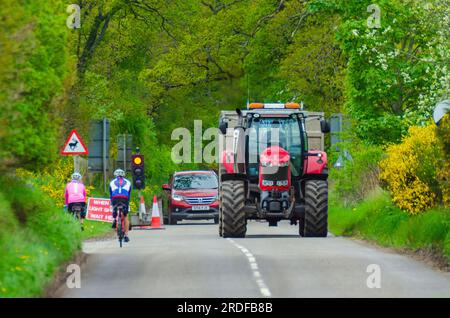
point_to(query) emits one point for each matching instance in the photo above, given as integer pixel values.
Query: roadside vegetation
(393, 187)
(398, 197)
(378, 220)
(151, 66)
(35, 238)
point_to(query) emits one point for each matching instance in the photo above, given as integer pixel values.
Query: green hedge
(35, 238)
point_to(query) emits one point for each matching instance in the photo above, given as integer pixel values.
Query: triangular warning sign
(74, 145)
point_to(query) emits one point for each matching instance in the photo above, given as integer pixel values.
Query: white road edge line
(263, 289)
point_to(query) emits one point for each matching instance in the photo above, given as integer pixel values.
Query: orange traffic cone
(156, 217)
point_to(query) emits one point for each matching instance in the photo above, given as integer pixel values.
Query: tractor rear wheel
(233, 221)
(316, 209)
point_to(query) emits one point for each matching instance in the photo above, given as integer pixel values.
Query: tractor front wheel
(232, 222)
(316, 209)
(221, 171)
(220, 224)
(220, 211)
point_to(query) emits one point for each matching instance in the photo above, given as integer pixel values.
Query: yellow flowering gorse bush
(410, 170)
(53, 181)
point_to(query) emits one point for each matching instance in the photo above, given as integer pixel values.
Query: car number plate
(200, 207)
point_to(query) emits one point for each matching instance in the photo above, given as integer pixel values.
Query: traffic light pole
(141, 217)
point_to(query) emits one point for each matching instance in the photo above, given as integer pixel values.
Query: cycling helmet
(76, 176)
(119, 173)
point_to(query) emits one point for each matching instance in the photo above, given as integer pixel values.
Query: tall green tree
(396, 72)
(34, 65)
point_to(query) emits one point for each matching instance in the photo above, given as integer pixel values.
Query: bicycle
(120, 224)
(75, 210)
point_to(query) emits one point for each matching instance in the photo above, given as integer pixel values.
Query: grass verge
(35, 238)
(378, 219)
(94, 229)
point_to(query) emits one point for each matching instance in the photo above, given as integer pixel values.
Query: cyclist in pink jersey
(75, 194)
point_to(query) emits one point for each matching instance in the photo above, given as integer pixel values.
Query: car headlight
(177, 197)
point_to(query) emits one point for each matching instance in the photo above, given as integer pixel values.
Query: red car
(192, 195)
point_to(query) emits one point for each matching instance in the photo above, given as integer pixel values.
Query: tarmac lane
(191, 260)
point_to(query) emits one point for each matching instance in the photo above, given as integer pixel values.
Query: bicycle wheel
(120, 234)
(120, 229)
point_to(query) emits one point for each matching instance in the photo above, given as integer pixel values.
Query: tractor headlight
(267, 183)
(269, 164)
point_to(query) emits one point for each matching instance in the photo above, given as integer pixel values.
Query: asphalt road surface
(191, 260)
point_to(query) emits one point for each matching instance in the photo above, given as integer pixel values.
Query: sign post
(124, 154)
(99, 149)
(75, 162)
(124, 151)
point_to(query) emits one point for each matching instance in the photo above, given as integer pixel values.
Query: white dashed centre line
(263, 289)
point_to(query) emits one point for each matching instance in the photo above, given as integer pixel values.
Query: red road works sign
(99, 209)
(74, 145)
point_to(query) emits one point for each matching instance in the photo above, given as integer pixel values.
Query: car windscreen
(195, 181)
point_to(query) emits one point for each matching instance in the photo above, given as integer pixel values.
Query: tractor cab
(265, 129)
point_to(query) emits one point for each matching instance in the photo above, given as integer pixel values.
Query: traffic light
(137, 169)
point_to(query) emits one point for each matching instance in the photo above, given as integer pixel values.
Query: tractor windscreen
(281, 131)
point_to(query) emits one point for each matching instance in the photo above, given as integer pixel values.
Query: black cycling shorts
(83, 210)
(115, 202)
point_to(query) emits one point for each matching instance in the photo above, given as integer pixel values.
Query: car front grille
(200, 200)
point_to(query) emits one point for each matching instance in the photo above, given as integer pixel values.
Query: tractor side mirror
(166, 187)
(223, 127)
(324, 126)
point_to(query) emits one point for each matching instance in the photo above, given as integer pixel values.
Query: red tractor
(268, 172)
